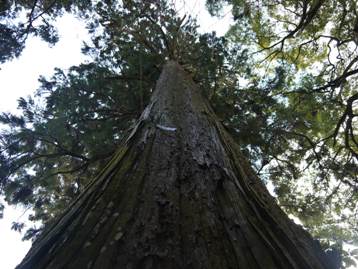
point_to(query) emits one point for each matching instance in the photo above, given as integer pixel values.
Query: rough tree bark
(177, 194)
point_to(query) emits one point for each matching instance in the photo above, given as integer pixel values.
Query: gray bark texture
(177, 194)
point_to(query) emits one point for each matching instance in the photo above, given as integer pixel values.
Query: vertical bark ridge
(177, 194)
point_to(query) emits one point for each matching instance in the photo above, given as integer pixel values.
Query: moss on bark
(177, 194)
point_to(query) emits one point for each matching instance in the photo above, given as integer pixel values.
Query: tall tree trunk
(177, 194)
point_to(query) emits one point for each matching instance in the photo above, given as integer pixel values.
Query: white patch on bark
(144, 117)
(165, 128)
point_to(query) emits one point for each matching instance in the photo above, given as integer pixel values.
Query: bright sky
(19, 78)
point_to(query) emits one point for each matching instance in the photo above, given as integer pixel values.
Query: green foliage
(67, 132)
(281, 80)
(312, 156)
(52, 150)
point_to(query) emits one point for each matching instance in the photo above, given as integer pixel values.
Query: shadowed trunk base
(177, 194)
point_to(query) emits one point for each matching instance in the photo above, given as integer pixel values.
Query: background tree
(312, 45)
